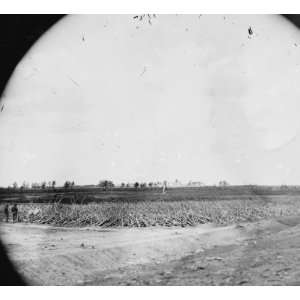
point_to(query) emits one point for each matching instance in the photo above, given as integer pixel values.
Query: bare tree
(136, 185)
(106, 184)
(67, 184)
(35, 185)
(23, 186)
(223, 183)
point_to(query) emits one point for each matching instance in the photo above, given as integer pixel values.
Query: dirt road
(263, 253)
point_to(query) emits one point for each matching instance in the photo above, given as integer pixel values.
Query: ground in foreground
(261, 253)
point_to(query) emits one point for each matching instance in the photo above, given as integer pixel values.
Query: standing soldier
(14, 211)
(6, 212)
(164, 187)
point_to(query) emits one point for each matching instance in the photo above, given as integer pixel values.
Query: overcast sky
(187, 97)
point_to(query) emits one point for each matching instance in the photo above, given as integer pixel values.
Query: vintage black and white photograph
(150, 150)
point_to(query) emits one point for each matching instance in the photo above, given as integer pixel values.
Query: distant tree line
(40, 185)
(107, 185)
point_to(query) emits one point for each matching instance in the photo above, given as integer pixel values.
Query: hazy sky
(189, 97)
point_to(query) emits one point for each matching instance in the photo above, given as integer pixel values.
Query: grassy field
(178, 207)
(92, 195)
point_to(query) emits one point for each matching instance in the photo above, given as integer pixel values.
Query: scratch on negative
(144, 71)
(73, 81)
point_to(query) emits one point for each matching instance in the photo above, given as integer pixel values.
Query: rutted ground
(262, 253)
(269, 255)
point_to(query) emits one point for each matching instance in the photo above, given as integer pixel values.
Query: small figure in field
(164, 190)
(6, 212)
(14, 211)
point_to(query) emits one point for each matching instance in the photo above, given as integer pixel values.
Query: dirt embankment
(259, 253)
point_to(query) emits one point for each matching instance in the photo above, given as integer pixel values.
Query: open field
(90, 195)
(258, 253)
(178, 207)
(188, 237)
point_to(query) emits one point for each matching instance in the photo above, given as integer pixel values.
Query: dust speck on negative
(250, 31)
